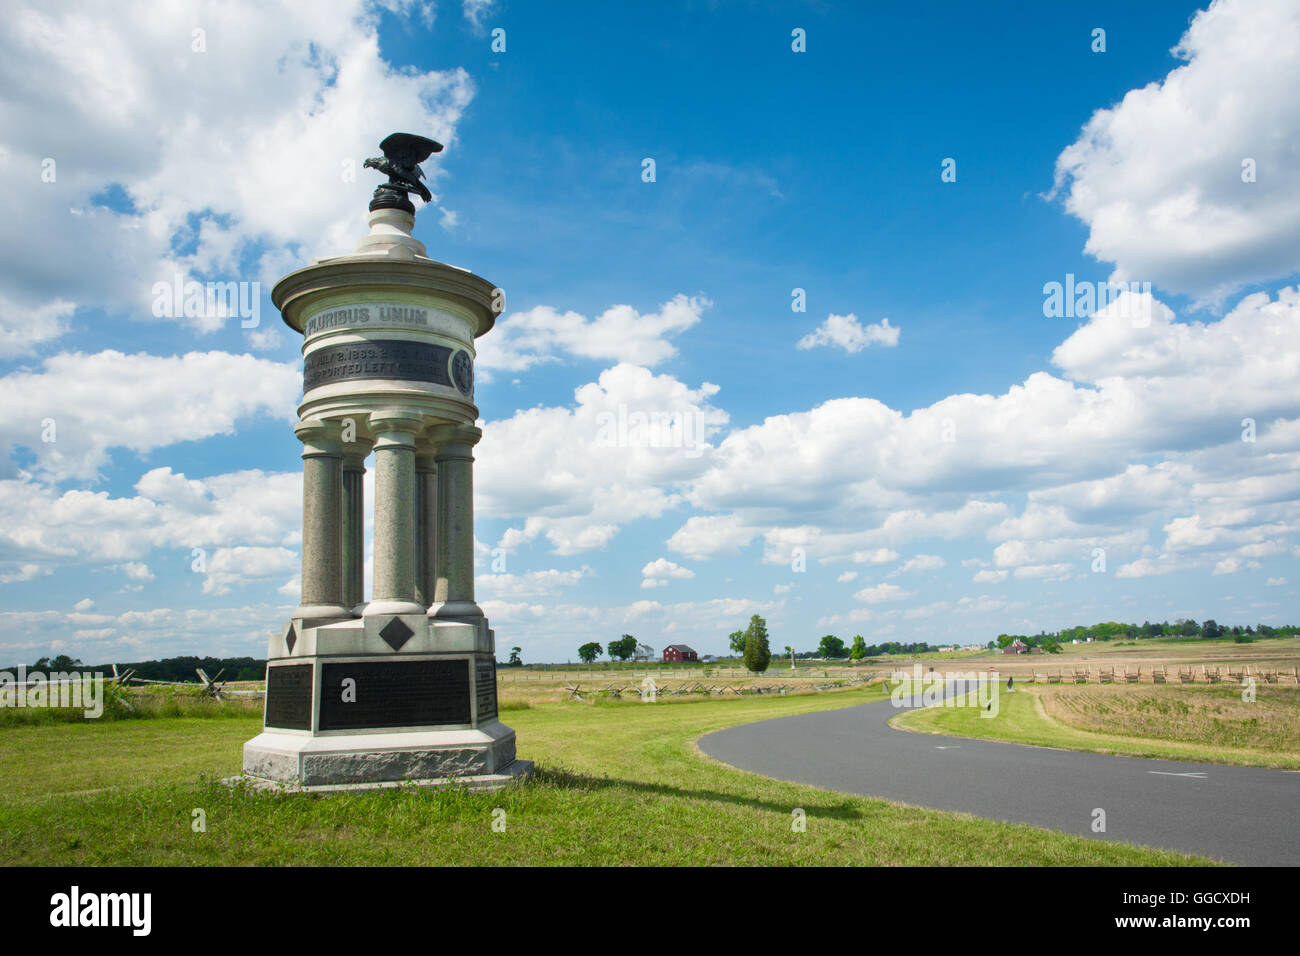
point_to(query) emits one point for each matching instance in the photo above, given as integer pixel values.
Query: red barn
(676, 653)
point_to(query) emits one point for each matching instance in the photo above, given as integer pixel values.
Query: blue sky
(921, 454)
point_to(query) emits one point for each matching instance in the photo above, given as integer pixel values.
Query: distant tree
(623, 648)
(737, 642)
(831, 646)
(789, 651)
(1005, 639)
(515, 659)
(859, 649)
(61, 663)
(1244, 639)
(757, 653)
(1189, 629)
(1210, 629)
(589, 652)
(1051, 646)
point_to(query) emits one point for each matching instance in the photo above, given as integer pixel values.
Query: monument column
(426, 524)
(403, 688)
(322, 540)
(394, 541)
(454, 586)
(354, 526)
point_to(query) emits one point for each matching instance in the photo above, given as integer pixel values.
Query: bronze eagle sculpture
(403, 153)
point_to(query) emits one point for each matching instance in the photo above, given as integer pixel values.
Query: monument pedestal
(379, 702)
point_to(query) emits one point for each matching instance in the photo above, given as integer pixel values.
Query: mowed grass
(1200, 724)
(621, 784)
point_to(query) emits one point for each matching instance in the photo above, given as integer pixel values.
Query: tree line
(1181, 629)
(753, 645)
(169, 669)
(832, 648)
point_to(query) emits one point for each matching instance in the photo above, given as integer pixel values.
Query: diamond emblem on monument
(396, 633)
(291, 636)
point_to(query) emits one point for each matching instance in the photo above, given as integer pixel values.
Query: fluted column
(394, 540)
(454, 579)
(322, 539)
(354, 525)
(426, 525)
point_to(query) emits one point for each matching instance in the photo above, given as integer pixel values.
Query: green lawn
(620, 784)
(1022, 719)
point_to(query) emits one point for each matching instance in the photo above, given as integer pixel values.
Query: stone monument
(401, 687)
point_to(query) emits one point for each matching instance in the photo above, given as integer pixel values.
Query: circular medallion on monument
(462, 373)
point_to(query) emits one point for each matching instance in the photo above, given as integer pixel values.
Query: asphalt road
(1235, 814)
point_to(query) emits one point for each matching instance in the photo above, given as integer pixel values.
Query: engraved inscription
(364, 315)
(394, 694)
(288, 696)
(382, 358)
(485, 687)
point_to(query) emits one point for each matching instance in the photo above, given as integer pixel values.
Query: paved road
(1236, 814)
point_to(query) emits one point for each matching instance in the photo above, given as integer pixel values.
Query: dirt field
(1281, 656)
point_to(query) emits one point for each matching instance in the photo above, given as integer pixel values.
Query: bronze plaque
(394, 694)
(288, 696)
(393, 359)
(485, 687)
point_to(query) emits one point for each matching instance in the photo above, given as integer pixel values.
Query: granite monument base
(381, 701)
(480, 759)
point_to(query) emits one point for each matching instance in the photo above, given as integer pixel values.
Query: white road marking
(1190, 773)
(953, 747)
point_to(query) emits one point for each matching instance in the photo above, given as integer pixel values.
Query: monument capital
(319, 437)
(355, 453)
(388, 420)
(445, 436)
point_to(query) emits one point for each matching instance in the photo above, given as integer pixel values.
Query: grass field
(618, 784)
(1209, 724)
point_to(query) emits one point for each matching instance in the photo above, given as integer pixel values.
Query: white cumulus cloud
(1158, 178)
(847, 333)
